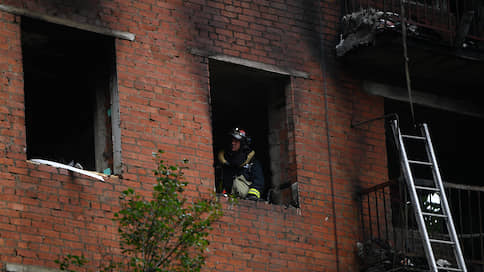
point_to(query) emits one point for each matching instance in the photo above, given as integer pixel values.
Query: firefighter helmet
(238, 134)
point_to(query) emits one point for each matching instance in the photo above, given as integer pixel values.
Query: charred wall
(164, 103)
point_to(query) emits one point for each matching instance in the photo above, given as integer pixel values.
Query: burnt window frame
(282, 193)
(110, 100)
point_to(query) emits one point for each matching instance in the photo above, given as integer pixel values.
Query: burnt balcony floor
(444, 70)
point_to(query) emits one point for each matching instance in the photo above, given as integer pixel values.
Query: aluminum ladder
(438, 187)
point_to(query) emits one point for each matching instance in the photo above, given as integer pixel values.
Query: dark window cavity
(71, 107)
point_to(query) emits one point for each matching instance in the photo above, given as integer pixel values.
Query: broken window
(70, 96)
(256, 101)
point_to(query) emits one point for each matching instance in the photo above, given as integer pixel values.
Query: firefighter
(242, 174)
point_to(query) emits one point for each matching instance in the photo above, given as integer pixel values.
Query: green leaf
(164, 232)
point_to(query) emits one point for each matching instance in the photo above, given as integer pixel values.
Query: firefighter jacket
(243, 163)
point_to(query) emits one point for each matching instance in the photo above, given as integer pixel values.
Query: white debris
(70, 168)
(443, 263)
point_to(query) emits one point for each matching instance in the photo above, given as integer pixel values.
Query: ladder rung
(441, 241)
(435, 214)
(427, 188)
(413, 137)
(420, 162)
(448, 268)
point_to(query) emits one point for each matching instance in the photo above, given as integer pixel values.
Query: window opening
(255, 101)
(69, 77)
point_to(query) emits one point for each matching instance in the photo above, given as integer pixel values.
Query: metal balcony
(390, 239)
(455, 22)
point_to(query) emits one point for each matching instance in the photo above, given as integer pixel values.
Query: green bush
(165, 233)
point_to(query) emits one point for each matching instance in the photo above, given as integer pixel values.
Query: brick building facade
(172, 71)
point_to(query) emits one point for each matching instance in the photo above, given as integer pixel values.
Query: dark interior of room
(63, 69)
(456, 138)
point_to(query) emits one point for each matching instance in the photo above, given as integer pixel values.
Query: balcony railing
(447, 19)
(388, 222)
(467, 205)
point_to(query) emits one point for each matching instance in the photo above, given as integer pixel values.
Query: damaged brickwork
(164, 92)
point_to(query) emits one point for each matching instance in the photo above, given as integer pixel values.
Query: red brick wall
(164, 104)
